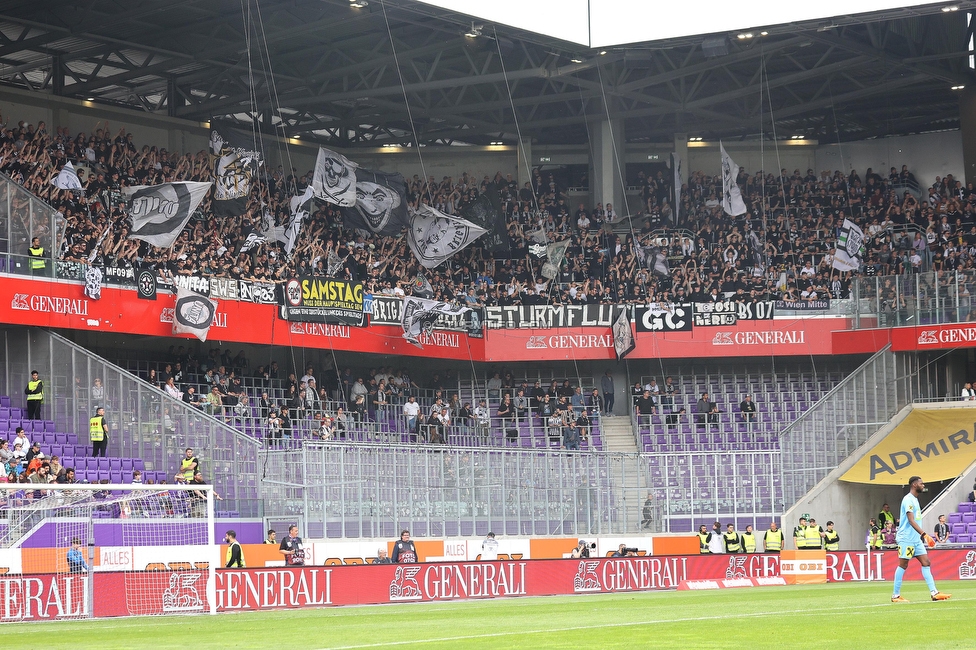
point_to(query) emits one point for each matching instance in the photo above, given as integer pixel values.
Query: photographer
(624, 551)
(582, 549)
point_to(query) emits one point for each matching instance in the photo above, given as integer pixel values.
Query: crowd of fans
(796, 218)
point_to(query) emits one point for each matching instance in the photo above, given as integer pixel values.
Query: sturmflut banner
(323, 300)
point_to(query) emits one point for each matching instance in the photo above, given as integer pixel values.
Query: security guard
(773, 539)
(875, 538)
(749, 540)
(98, 433)
(813, 535)
(831, 538)
(733, 544)
(35, 396)
(36, 254)
(703, 537)
(798, 540)
(885, 516)
(235, 554)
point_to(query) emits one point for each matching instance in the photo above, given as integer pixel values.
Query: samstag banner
(323, 300)
(935, 445)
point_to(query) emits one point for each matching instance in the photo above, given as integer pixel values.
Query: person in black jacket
(404, 552)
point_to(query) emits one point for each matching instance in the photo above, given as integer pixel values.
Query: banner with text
(323, 300)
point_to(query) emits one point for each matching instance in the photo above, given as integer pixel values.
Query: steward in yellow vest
(235, 554)
(885, 516)
(703, 537)
(798, 530)
(749, 540)
(35, 396)
(773, 539)
(813, 535)
(831, 538)
(875, 538)
(36, 254)
(98, 433)
(732, 542)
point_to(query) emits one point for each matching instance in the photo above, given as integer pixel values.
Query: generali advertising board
(933, 337)
(160, 592)
(576, 334)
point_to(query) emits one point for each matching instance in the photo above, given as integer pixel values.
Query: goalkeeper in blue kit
(911, 539)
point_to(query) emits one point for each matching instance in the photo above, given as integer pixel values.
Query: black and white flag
(233, 166)
(434, 236)
(193, 314)
(850, 247)
(299, 212)
(758, 255)
(420, 286)
(159, 212)
(731, 196)
(654, 259)
(381, 203)
(334, 263)
(678, 181)
(556, 253)
(67, 178)
(93, 282)
(486, 212)
(417, 317)
(252, 239)
(623, 335)
(334, 178)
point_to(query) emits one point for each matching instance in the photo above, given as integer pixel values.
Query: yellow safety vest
(96, 428)
(749, 542)
(31, 387)
(230, 548)
(832, 540)
(37, 257)
(884, 518)
(773, 540)
(878, 538)
(731, 542)
(185, 468)
(703, 543)
(812, 536)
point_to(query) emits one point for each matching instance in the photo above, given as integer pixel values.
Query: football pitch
(847, 615)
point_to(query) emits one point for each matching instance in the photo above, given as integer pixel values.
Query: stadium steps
(628, 486)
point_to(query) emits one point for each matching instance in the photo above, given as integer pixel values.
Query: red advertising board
(61, 304)
(43, 597)
(933, 337)
(279, 587)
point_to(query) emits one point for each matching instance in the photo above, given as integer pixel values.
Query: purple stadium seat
(963, 538)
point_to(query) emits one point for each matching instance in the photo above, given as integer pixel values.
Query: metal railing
(843, 420)
(144, 423)
(23, 216)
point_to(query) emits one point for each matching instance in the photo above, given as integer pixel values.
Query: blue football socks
(899, 576)
(929, 580)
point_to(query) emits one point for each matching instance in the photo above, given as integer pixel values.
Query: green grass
(848, 615)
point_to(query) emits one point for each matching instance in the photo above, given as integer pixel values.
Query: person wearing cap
(773, 539)
(235, 554)
(581, 550)
(489, 548)
(35, 396)
(98, 433)
(831, 538)
(911, 540)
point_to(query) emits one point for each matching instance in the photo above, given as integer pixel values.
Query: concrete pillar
(967, 126)
(606, 184)
(681, 151)
(525, 162)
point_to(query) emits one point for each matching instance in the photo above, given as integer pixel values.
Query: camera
(630, 550)
(583, 544)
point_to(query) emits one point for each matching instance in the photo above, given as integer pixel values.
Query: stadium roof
(325, 70)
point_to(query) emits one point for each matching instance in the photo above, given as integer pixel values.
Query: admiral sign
(323, 300)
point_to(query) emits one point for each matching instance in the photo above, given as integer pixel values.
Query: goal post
(110, 549)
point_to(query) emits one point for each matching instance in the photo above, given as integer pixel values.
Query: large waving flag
(850, 247)
(434, 236)
(381, 203)
(731, 196)
(418, 316)
(159, 212)
(334, 179)
(233, 166)
(67, 178)
(193, 314)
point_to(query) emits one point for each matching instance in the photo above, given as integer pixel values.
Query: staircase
(629, 488)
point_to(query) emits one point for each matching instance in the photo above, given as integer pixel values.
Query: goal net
(85, 550)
